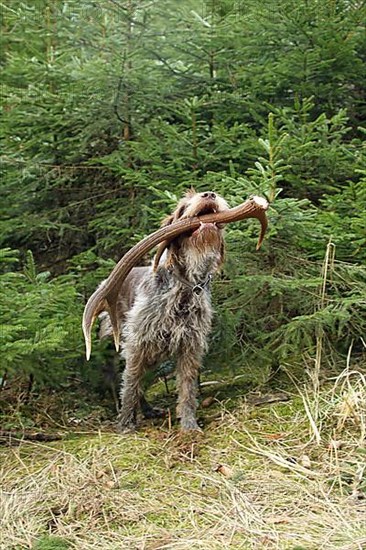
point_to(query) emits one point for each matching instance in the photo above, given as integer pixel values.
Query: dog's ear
(168, 220)
(189, 194)
(178, 212)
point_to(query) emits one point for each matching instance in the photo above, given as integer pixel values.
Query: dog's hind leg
(148, 411)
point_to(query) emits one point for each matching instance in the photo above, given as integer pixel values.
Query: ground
(276, 470)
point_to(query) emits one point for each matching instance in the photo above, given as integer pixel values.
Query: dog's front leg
(188, 365)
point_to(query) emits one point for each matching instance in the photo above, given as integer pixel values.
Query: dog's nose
(209, 195)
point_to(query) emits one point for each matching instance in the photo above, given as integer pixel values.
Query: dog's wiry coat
(164, 315)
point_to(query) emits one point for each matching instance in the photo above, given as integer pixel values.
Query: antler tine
(160, 251)
(97, 303)
(105, 297)
(261, 216)
(94, 306)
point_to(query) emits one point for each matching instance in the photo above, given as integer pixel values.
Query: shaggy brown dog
(167, 312)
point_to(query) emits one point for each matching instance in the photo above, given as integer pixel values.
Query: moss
(50, 542)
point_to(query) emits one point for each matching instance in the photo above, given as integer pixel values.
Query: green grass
(259, 477)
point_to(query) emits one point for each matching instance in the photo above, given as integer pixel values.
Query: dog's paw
(190, 425)
(126, 428)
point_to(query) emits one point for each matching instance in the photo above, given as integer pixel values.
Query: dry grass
(280, 486)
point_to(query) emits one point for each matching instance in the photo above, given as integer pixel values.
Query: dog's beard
(206, 238)
(201, 252)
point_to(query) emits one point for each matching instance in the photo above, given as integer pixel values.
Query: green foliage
(111, 110)
(38, 320)
(274, 305)
(344, 215)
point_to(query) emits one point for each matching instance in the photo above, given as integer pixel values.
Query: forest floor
(273, 470)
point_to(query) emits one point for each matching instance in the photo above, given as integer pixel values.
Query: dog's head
(203, 249)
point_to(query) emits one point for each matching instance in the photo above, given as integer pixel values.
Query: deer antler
(105, 297)
(232, 215)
